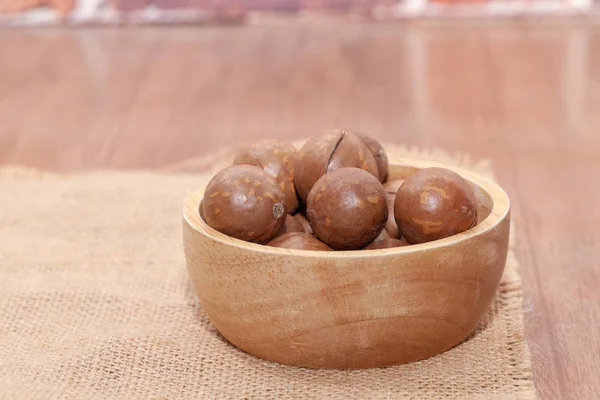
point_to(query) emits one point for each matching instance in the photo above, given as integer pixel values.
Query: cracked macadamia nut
(391, 188)
(244, 202)
(387, 244)
(434, 203)
(299, 241)
(277, 159)
(327, 153)
(379, 154)
(347, 208)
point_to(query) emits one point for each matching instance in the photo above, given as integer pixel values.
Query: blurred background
(141, 84)
(22, 12)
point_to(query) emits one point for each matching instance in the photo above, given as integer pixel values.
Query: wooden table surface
(525, 95)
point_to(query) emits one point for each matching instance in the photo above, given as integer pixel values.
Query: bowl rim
(500, 209)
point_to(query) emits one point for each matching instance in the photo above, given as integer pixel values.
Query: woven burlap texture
(95, 303)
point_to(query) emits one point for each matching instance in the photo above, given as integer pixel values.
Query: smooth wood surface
(524, 95)
(346, 309)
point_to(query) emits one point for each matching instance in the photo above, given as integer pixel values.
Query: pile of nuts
(333, 194)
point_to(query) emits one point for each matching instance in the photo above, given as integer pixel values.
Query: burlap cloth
(95, 303)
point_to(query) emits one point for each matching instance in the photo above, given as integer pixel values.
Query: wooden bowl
(351, 309)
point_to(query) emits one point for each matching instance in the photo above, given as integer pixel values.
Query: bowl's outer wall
(347, 312)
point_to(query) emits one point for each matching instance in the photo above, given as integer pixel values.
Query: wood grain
(348, 309)
(525, 95)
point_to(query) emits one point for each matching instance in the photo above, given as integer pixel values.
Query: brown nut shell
(311, 163)
(244, 202)
(299, 241)
(379, 154)
(434, 203)
(347, 208)
(291, 224)
(387, 244)
(277, 159)
(334, 150)
(304, 222)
